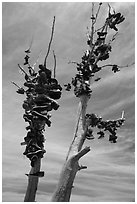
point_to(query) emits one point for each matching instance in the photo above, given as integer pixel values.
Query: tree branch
(37, 59)
(50, 42)
(23, 70)
(82, 153)
(15, 84)
(32, 182)
(113, 38)
(111, 65)
(55, 63)
(73, 62)
(82, 167)
(97, 12)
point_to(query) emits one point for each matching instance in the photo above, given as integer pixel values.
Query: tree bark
(32, 182)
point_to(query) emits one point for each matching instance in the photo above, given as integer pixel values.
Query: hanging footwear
(54, 94)
(48, 122)
(45, 108)
(101, 134)
(31, 150)
(112, 138)
(39, 174)
(33, 159)
(20, 91)
(29, 84)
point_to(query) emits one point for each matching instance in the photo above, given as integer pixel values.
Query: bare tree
(42, 92)
(99, 49)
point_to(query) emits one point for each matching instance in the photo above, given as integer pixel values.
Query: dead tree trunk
(71, 166)
(99, 50)
(32, 182)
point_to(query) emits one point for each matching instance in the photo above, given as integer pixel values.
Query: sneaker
(53, 81)
(31, 150)
(26, 59)
(26, 106)
(42, 78)
(29, 85)
(23, 143)
(29, 127)
(54, 94)
(113, 138)
(27, 118)
(101, 134)
(55, 105)
(47, 71)
(28, 51)
(90, 137)
(20, 91)
(39, 174)
(48, 122)
(101, 33)
(45, 108)
(33, 159)
(89, 134)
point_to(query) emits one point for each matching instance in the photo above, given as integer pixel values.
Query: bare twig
(29, 49)
(111, 65)
(50, 42)
(92, 26)
(73, 62)
(37, 59)
(97, 12)
(15, 84)
(21, 68)
(55, 63)
(82, 167)
(98, 29)
(128, 65)
(113, 38)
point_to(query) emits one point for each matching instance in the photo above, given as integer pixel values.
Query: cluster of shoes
(92, 120)
(41, 95)
(115, 68)
(99, 52)
(86, 69)
(115, 19)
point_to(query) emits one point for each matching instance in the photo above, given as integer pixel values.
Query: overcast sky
(110, 173)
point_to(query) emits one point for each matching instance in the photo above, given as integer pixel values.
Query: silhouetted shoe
(68, 87)
(20, 91)
(43, 117)
(45, 108)
(27, 118)
(89, 134)
(26, 59)
(54, 105)
(42, 78)
(102, 33)
(101, 134)
(54, 94)
(28, 51)
(25, 106)
(23, 143)
(113, 138)
(29, 85)
(33, 160)
(39, 174)
(32, 149)
(47, 71)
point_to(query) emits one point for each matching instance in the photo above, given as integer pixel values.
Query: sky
(110, 173)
